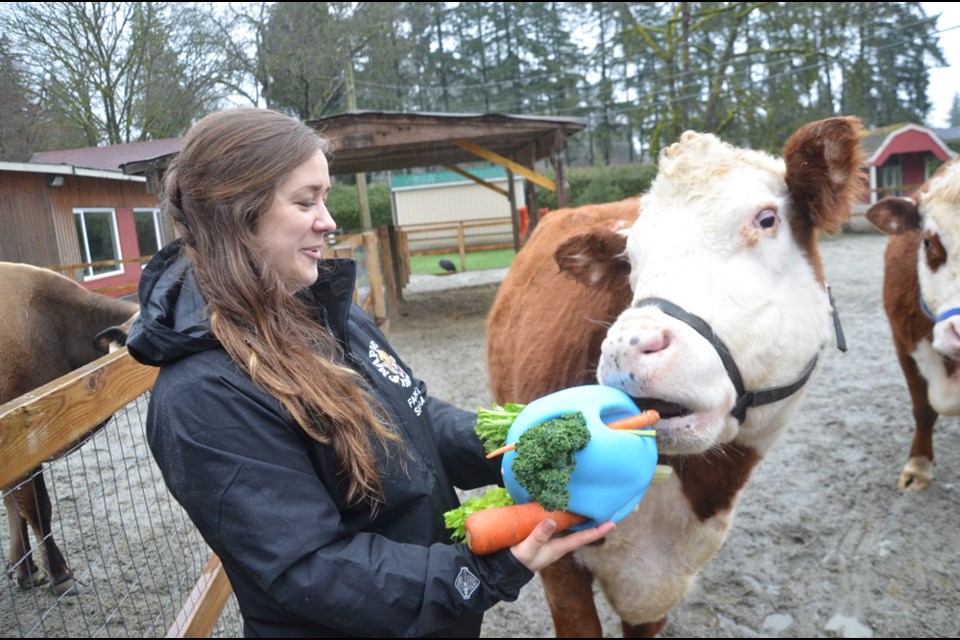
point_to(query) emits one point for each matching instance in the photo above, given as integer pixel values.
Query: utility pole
(365, 222)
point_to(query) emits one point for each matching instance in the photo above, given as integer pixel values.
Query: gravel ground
(823, 544)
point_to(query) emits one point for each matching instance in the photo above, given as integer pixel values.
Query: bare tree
(120, 71)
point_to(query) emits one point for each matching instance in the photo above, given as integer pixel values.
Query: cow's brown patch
(712, 480)
(933, 250)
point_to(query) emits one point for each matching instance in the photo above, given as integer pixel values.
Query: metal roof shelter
(373, 141)
(380, 141)
(370, 141)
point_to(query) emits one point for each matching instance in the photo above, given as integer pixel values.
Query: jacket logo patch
(388, 366)
(466, 583)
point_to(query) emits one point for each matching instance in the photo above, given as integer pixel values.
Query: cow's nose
(650, 340)
(947, 340)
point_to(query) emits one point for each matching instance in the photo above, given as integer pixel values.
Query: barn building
(901, 157)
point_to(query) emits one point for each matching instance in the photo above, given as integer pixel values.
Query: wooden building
(56, 216)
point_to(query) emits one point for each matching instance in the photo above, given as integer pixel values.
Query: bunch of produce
(543, 465)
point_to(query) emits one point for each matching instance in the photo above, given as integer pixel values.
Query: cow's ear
(110, 339)
(113, 338)
(596, 258)
(825, 173)
(895, 215)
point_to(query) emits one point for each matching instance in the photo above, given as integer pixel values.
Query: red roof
(112, 157)
(881, 143)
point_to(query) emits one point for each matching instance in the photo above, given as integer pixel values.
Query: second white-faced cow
(921, 295)
(709, 306)
(50, 326)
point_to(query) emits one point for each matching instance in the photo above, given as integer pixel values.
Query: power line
(748, 63)
(680, 75)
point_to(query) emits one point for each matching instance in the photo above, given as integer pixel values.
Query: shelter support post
(513, 210)
(527, 156)
(556, 159)
(533, 208)
(365, 221)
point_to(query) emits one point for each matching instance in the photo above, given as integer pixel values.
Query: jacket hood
(173, 320)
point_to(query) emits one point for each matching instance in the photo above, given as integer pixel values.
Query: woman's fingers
(541, 548)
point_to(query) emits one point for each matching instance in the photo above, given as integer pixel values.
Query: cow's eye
(766, 219)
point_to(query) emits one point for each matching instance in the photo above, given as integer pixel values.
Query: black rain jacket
(269, 502)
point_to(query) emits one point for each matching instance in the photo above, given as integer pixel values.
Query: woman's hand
(541, 549)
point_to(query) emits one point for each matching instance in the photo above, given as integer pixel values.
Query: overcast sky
(945, 81)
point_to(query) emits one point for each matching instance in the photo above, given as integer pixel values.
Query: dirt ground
(824, 544)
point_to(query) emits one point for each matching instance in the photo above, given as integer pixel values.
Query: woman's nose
(324, 221)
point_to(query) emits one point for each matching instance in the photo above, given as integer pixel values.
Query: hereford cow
(51, 326)
(921, 295)
(709, 306)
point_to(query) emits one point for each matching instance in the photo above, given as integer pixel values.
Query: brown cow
(51, 326)
(921, 295)
(710, 306)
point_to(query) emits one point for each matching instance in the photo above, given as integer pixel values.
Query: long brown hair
(217, 190)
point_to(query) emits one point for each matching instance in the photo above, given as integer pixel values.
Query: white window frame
(88, 274)
(892, 177)
(156, 227)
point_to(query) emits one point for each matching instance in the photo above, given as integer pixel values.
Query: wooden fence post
(389, 271)
(375, 273)
(203, 607)
(462, 245)
(400, 264)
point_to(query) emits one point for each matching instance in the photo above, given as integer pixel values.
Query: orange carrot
(502, 450)
(640, 421)
(497, 528)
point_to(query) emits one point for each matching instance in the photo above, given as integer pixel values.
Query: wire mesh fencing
(134, 554)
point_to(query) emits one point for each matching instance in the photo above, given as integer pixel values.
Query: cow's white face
(714, 237)
(938, 266)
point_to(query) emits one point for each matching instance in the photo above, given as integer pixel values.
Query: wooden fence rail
(466, 236)
(41, 424)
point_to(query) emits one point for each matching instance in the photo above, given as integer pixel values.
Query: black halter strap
(745, 399)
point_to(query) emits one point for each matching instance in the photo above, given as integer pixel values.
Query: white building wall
(451, 203)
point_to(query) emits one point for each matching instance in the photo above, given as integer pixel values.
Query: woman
(310, 459)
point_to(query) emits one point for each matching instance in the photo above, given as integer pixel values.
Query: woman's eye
(306, 205)
(766, 219)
